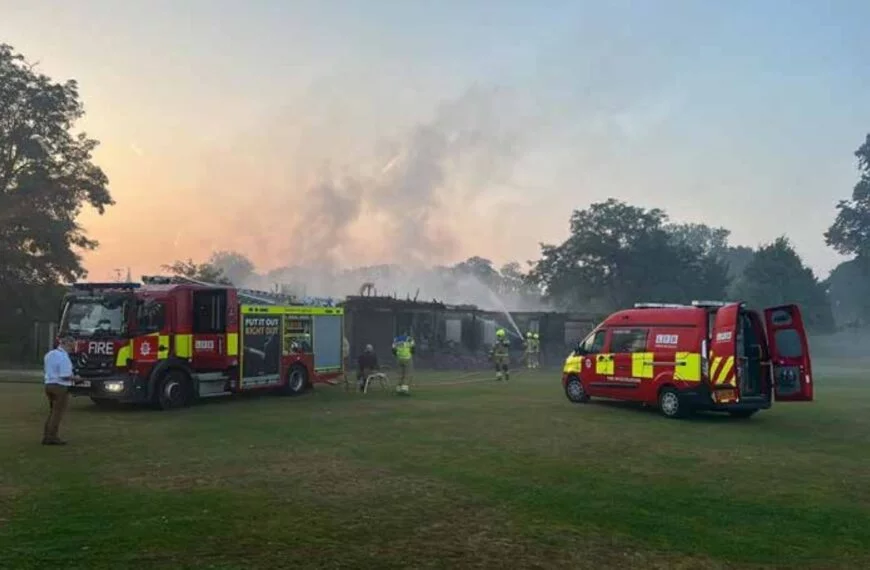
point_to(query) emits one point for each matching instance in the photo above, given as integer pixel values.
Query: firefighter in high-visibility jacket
(530, 349)
(500, 355)
(536, 353)
(403, 350)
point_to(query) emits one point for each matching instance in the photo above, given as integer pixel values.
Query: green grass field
(473, 475)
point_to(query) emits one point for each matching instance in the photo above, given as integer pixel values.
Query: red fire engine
(173, 340)
(704, 356)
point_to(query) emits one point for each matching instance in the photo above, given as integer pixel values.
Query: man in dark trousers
(367, 363)
(58, 379)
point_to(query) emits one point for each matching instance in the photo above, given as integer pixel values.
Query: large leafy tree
(849, 293)
(618, 254)
(206, 272)
(850, 235)
(235, 266)
(480, 268)
(850, 232)
(708, 240)
(777, 275)
(46, 177)
(713, 241)
(507, 284)
(516, 282)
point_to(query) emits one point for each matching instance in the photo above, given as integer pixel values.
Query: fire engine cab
(709, 355)
(172, 340)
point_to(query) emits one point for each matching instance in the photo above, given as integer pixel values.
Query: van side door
(595, 364)
(790, 364)
(632, 362)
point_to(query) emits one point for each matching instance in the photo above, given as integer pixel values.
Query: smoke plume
(439, 283)
(328, 197)
(396, 203)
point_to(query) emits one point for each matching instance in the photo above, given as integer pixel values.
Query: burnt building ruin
(455, 336)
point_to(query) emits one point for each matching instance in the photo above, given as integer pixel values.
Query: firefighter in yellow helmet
(501, 355)
(530, 349)
(536, 353)
(403, 350)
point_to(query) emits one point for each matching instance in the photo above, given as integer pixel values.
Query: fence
(29, 347)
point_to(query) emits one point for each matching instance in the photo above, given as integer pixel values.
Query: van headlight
(114, 386)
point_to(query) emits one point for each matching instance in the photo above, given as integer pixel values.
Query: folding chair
(379, 377)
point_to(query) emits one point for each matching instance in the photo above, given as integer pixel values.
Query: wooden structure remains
(455, 336)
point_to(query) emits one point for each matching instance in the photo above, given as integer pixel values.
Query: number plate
(83, 384)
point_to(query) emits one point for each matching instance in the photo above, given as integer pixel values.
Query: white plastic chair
(378, 377)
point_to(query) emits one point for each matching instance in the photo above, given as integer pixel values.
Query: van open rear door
(789, 354)
(722, 373)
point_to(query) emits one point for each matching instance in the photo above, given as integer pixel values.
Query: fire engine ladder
(252, 296)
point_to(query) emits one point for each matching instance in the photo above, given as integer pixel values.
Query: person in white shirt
(58, 379)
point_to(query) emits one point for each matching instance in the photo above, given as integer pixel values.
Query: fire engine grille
(92, 364)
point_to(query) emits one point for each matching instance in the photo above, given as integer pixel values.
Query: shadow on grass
(645, 410)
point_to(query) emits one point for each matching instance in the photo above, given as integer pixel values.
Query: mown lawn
(460, 475)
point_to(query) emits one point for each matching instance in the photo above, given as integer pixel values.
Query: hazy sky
(255, 125)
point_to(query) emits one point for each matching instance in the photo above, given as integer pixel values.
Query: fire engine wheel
(297, 381)
(670, 403)
(575, 392)
(173, 390)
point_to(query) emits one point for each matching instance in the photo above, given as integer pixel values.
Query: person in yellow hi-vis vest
(500, 355)
(536, 352)
(529, 353)
(403, 350)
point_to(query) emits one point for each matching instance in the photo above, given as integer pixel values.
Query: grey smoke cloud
(323, 191)
(403, 194)
(425, 284)
(327, 208)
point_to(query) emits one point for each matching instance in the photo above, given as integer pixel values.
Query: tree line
(615, 253)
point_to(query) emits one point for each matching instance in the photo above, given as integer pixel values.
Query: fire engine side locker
(327, 339)
(260, 345)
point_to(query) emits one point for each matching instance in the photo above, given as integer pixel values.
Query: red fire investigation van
(705, 356)
(173, 340)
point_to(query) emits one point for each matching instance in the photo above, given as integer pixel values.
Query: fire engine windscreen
(100, 315)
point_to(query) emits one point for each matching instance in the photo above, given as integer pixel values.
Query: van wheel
(670, 403)
(742, 414)
(575, 392)
(297, 381)
(173, 390)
